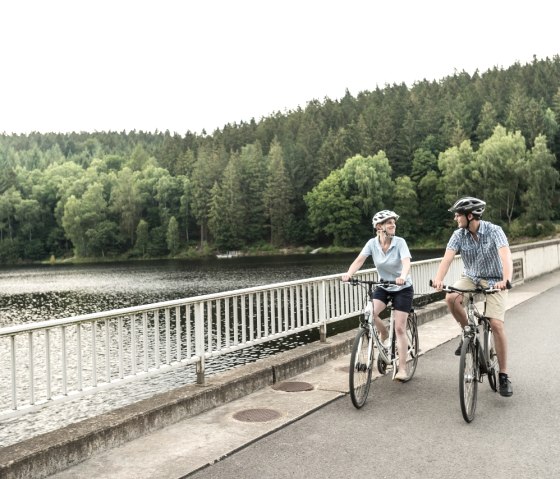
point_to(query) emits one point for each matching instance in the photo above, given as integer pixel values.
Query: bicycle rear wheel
(361, 362)
(468, 380)
(411, 359)
(492, 357)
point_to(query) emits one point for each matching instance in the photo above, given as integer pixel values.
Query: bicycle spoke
(492, 358)
(361, 362)
(468, 380)
(410, 359)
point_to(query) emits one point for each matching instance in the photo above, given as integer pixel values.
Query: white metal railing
(57, 359)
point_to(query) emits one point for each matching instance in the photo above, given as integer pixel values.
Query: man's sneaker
(505, 385)
(458, 350)
(386, 343)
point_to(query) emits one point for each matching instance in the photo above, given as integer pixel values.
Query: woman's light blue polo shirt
(389, 265)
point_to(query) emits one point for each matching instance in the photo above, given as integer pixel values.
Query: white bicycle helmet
(382, 216)
(468, 204)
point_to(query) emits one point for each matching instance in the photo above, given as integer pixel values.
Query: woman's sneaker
(505, 385)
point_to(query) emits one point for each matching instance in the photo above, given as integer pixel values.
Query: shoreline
(198, 254)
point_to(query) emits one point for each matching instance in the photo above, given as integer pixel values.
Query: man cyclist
(486, 256)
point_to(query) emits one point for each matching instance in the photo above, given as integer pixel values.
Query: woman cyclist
(391, 257)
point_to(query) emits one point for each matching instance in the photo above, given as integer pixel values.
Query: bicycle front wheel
(361, 362)
(491, 356)
(468, 380)
(411, 359)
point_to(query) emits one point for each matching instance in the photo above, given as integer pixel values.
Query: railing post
(323, 312)
(199, 342)
(13, 361)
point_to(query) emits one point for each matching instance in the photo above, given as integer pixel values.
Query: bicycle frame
(472, 331)
(362, 358)
(388, 356)
(476, 359)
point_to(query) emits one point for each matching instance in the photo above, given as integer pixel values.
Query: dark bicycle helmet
(382, 216)
(468, 204)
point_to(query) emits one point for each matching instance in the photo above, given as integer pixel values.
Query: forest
(308, 177)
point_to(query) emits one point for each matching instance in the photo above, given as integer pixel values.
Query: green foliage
(9, 251)
(541, 178)
(7, 173)
(252, 179)
(227, 212)
(278, 197)
(520, 228)
(173, 243)
(406, 205)
(142, 237)
(331, 212)
(102, 239)
(82, 219)
(367, 182)
(312, 175)
(126, 202)
(456, 166)
(498, 172)
(339, 204)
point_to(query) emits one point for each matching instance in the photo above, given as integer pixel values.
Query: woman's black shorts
(402, 300)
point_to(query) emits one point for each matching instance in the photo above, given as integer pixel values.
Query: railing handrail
(71, 320)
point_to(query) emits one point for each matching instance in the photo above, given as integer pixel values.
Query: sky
(194, 65)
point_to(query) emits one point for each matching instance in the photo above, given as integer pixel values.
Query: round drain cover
(256, 415)
(293, 386)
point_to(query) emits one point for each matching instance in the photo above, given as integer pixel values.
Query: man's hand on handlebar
(505, 284)
(436, 284)
(346, 277)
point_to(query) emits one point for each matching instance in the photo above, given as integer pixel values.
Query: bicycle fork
(389, 356)
(368, 326)
(469, 336)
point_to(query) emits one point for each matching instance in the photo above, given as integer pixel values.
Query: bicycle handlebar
(383, 282)
(478, 289)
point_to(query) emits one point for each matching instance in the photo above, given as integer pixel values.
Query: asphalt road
(416, 430)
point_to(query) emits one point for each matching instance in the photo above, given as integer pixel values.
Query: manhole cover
(256, 415)
(344, 369)
(293, 386)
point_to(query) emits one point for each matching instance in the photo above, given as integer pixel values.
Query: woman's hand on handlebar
(346, 277)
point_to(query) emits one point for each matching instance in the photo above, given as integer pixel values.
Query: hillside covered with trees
(312, 176)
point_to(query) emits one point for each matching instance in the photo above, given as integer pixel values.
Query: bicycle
(367, 339)
(478, 352)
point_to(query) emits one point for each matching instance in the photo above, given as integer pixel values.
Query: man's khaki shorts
(495, 303)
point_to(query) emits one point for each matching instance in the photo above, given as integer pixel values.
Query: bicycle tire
(491, 357)
(468, 379)
(414, 347)
(360, 372)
